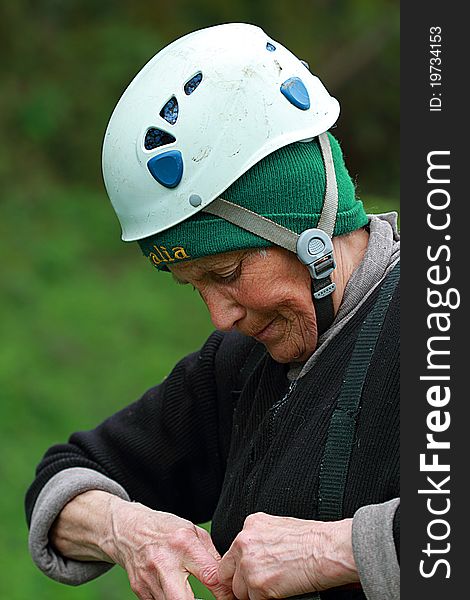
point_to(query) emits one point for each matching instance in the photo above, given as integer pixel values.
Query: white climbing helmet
(201, 113)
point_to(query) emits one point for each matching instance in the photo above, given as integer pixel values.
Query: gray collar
(382, 253)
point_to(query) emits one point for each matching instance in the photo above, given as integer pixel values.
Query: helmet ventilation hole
(192, 84)
(270, 47)
(170, 111)
(154, 138)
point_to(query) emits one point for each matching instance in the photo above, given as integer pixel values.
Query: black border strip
(434, 228)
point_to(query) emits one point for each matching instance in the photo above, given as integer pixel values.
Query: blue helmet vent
(170, 111)
(192, 84)
(270, 47)
(154, 138)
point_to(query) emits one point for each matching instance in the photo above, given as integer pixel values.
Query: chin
(283, 354)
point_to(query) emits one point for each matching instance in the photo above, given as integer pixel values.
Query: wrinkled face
(267, 297)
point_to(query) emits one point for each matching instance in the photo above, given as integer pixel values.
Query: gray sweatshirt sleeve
(58, 491)
(374, 550)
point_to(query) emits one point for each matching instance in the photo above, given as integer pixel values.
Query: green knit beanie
(287, 186)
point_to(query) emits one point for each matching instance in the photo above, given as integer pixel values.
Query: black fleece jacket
(217, 440)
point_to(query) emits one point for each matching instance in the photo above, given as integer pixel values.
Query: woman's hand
(158, 550)
(278, 557)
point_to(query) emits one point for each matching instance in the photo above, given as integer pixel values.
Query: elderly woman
(283, 428)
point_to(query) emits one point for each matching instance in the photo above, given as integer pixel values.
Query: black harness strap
(342, 428)
(324, 310)
(340, 436)
(254, 357)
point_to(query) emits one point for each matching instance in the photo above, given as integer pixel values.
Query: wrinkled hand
(278, 557)
(159, 550)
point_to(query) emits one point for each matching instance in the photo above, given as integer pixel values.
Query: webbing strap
(341, 432)
(330, 204)
(254, 223)
(340, 437)
(324, 309)
(255, 356)
(273, 232)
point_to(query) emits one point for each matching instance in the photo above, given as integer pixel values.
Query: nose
(224, 310)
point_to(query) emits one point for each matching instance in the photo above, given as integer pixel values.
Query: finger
(177, 589)
(239, 586)
(227, 566)
(164, 584)
(208, 576)
(206, 568)
(142, 592)
(206, 540)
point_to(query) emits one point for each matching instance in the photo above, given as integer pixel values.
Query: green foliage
(70, 61)
(87, 325)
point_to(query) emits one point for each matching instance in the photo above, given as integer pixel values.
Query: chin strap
(313, 247)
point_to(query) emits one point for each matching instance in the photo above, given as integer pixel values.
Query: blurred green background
(86, 324)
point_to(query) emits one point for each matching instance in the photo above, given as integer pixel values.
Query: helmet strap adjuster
(315, 250)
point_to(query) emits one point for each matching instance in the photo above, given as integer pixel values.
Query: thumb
(206, 568)
(205, 538)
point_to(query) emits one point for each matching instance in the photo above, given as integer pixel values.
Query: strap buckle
(315, 250)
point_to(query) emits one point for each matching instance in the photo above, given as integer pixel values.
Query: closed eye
(227, 278)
